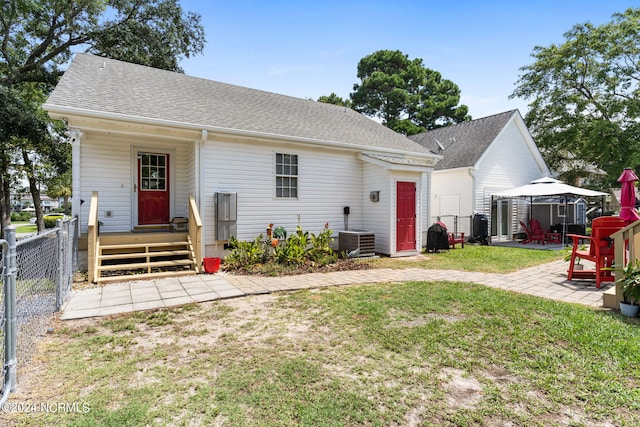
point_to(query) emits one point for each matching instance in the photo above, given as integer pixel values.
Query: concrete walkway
(547, 281)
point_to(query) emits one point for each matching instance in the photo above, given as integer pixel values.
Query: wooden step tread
(144, 245)
(144, 276)
(174, 263)
(144, 254)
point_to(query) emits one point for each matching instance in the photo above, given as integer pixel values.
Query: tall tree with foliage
(22, 125)
(335, 100)
(585, 98)
(38, 38)
(405, 95)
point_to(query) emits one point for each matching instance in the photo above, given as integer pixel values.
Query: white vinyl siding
(106, 167)
(508, 162)
(378, 213)
(328, 181)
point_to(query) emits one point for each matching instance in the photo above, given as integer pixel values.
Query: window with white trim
(286, 175)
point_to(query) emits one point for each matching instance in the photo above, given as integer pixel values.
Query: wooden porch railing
(625, 253)
(195, 232)
(92, 239)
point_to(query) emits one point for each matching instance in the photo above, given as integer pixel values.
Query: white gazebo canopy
(547, 186)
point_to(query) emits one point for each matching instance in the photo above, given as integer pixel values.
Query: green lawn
(429, 354)
(24, 227)
(487, 259)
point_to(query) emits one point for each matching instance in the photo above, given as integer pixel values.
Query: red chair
(456, 238)
(600, 250)
(534, 232)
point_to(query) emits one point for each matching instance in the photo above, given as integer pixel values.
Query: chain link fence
(37, 277)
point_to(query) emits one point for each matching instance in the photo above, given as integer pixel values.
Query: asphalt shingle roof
(464, 143)
(102, 85)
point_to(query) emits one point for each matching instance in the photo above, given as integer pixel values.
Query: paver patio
(547, 281)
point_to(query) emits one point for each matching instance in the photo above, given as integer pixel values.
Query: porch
(143, 253)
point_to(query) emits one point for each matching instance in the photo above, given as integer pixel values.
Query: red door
(406, 216)
(153, 188)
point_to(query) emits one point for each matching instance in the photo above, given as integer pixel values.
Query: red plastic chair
(600, 250)
(534, 232)
(456, 238)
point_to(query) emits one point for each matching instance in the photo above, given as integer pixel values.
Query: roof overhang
(405, 163)
(68, 113)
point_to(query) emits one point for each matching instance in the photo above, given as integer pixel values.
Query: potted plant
(630, 288)
(576, 265)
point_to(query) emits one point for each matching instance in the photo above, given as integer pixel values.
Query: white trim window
(286, 176)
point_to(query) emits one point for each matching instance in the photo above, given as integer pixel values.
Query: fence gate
(37, 276)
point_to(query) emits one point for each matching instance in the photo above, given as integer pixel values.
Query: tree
(404, 95)
(37, 39)
(22, 125)
(585, 97)
(335, 100)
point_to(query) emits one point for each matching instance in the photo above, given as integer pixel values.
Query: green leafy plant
(295, 249)
(321, 250)
(630, 282)
(247, 252)
(570, 251)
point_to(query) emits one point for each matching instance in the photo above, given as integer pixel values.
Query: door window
(153, 172)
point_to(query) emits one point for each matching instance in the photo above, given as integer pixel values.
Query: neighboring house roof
(105, 88)
(462, 144)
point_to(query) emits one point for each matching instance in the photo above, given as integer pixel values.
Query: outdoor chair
(456, 238)
(534, 232)
(600, 250)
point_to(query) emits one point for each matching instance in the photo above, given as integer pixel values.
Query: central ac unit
(362, 242)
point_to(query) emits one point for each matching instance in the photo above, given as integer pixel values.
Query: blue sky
(308, 49)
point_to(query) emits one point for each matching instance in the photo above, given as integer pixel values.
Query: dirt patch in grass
(361, 355)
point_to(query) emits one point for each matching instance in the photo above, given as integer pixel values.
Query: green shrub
(20, 216)
(50, 221)
(298, 249)
(246, 253)
(295, 248)
(321, 245)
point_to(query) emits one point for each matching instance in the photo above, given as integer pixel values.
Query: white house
(481, 157)
(146, 139)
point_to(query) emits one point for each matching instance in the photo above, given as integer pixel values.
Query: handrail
(92, 238)
(195, 231)
(630, 234)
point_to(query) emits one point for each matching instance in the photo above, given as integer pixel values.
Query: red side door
(153, 188)
(406, 216)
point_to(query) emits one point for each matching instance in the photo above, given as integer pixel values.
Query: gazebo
(547, 186)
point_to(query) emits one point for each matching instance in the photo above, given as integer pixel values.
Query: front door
(406, 216)
(153, 188)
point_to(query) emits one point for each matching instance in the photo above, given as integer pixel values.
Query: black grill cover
(437, 238)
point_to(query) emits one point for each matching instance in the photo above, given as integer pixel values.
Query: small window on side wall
(286, 176)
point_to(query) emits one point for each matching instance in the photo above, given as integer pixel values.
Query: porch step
(139, 246)
(126, 256)
(609, 299)
(145, 276)
(150, 265)
(144, 255)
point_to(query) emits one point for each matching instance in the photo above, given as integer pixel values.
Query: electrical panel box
(226, 215)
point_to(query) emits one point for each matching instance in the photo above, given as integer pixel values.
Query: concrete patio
(547, 281)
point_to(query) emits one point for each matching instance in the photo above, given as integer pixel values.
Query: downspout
(199, 177)
(75, 136)
(472, 174)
